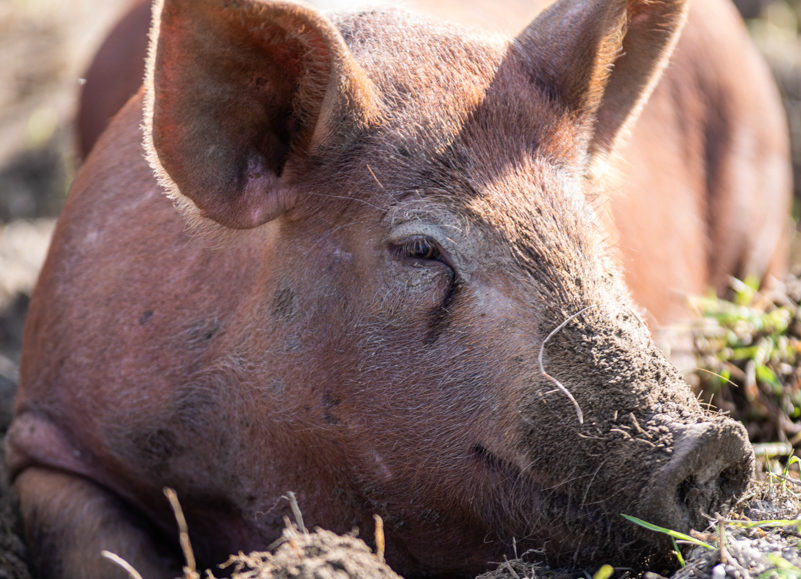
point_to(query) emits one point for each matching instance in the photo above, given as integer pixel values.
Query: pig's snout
(708, 471)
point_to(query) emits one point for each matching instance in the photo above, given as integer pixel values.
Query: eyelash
(421, 248)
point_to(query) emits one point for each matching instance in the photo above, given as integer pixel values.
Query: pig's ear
(236, 91)
(602, 59)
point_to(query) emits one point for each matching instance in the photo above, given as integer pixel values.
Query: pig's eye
(420, 248)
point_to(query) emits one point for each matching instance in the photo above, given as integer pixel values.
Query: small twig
(293, 544)
(636, 425)
(722, 539)
(716, 375)
(293, 504)
(190, 569)
(786, 478)
(509, 568)
(374, 177)
(379, 537)
(556, 382)
(122, 563)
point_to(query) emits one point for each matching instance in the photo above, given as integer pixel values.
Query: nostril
(701, 495)
(730, 478)
(685, 489)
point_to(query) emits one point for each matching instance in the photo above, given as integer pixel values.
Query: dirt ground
(46, 45)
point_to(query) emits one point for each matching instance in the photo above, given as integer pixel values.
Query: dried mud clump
(316, 555)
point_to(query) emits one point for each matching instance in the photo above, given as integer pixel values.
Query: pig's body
(370, 321)
(725, 212)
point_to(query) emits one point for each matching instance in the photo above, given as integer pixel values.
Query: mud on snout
(645, 448)
(680, 487)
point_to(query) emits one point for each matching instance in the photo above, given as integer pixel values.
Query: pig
(388, 275)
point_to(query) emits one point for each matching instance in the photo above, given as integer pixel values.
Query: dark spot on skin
(201, 332)
(429, 516)
(329, 402)
(284, 304)
(197, 402)
(145, 317)
(157, 446)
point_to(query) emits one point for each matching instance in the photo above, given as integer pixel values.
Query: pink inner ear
(263, 197)
(638, 19)
(237, 89)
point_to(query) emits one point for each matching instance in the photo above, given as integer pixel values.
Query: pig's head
(440, 323)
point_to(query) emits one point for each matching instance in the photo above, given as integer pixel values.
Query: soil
(319, 555)
(46, 45)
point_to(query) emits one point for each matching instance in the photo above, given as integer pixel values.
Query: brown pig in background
(394, 285)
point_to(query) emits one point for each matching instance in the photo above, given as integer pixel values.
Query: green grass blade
(668, 532)
(677, 552)
(781, 568)
(766, 523)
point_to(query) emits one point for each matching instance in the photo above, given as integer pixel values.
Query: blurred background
(46, 47)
